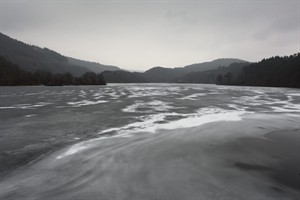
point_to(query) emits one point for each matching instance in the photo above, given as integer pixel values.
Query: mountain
(93, 66)
(271, 72)
(211, 76)
(12, 75)
(172, 75)
(31, 58)
(274, 72)
(23, 64)
(224, 62)
(124, 77)
(163, 75)
(168, 75)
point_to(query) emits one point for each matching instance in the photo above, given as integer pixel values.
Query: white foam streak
(82, 93)
(154, 122)
(286, 108)
(85, 103)
(151, 106)
(193, 96)
(200, 120)
(74, 149)
(26, 106)
(147, 125)
(150, 125)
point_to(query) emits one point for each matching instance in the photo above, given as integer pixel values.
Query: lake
(149, 141)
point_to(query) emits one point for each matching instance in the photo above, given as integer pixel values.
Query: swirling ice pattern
(117, 125)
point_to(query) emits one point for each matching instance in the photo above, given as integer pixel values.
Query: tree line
(274, 72)
(271, 72)
(12, 75)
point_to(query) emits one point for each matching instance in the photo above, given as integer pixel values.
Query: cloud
(141, 34)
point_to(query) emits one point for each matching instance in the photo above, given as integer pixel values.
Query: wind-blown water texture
(110, 125)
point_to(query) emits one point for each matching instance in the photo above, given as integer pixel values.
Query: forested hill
(93, 66)
(169, 75)
(23, 64)
(275, 72)
(213, 76)
(224, 62)
(272, 72)
(31, 58)
(12, 75)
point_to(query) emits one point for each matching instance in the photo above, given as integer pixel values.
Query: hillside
(163, 75)
(274, 72)
(172, 75)
(211, 76)
(93, 66)
(12, 75)
(124, 77)
(224, 62)
(20, 61)
(31, 58)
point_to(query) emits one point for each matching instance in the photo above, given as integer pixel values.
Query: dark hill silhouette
(93, 66)
(211, 76)
(163, 75)
(224, 62)
(44, 66)
(120, 76)
(12, 75)
(32, 58)
(275, 72)
(272, 72)
(171, 75)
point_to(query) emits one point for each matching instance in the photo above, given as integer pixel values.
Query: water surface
(137, 140)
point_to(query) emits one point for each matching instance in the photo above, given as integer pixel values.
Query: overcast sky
(139, 35)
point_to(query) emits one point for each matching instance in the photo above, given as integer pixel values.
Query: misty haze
(149, 100)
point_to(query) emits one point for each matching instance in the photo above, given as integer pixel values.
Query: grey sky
(143, 34)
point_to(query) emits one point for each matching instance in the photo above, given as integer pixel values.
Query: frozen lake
(149, 141)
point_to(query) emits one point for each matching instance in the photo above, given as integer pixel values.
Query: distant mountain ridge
(27, 64)
(272, 72)
(93, 66)
(12, 75)
(32, 58)
(169, 75)
(180, 74)
(222, 62)
(163, 75)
